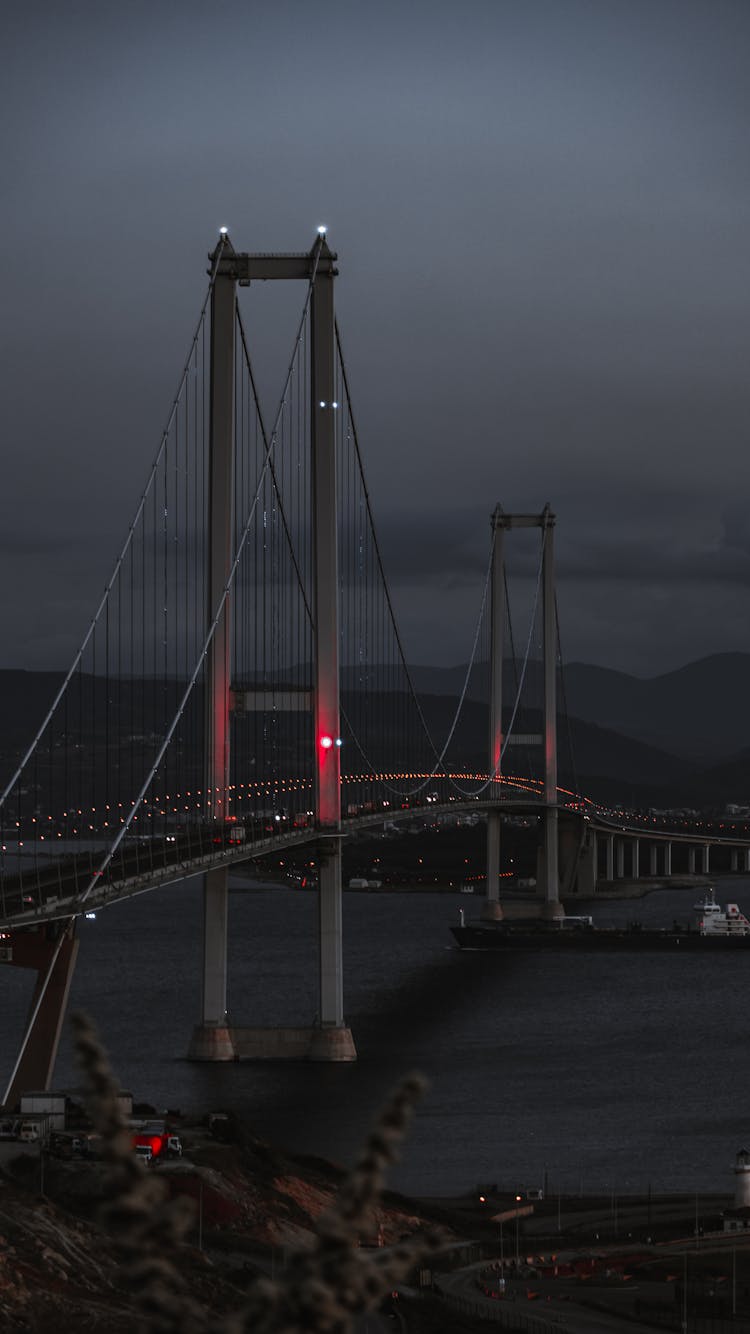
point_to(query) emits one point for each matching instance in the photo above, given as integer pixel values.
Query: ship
(714, 928)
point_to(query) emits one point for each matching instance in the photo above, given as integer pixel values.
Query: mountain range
(700, 711)
(681, 738)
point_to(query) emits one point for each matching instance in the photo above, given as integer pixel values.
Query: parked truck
(156, 1146)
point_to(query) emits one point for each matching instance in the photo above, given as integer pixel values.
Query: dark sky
(541, 210)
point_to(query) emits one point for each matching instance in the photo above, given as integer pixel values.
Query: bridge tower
(214, 1038)
(492, 909)
(501, 522)
(552, 905)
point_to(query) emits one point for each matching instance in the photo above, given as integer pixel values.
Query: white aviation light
(223, 231)
(322, 231)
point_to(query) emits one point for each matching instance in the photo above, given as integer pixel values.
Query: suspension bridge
(242, 686)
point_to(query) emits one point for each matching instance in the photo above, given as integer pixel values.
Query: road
(565, 1316)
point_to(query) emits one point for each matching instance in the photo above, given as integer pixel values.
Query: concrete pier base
(211, 1042)
(332, 1044)
(214, 1043)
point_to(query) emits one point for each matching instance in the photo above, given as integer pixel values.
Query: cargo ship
(714, 928)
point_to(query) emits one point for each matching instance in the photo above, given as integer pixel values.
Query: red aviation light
(326, 742)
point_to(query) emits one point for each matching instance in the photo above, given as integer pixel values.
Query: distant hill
(716, 785)
(701, 711)
(679, 739)
(25, 698)
(604, 765)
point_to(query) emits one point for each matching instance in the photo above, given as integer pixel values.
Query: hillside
(701, 711)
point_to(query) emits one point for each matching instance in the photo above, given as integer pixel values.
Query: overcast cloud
(541, 210)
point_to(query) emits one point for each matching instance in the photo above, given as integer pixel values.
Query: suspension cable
(497, 770)
(123, 553)
(566, 711)
(440, 757)
(513, 651)
(376, 545)
(532, 620)
(222, 601)
(272, 468)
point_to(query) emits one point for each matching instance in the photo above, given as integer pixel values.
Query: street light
(684, 1293)
(518, 1246)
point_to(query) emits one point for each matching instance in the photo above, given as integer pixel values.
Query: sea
(572, 1072)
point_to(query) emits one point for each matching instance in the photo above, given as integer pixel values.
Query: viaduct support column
(492, 909)
(691, 861)
(621, 859)
(734, 860)
(667, 858)
(610, 846)
(636, 859)
(653, 859)
(333, 1040)
(746, 860)
(212, 1039)
(706, 858)
(587, 866)
(552, 906)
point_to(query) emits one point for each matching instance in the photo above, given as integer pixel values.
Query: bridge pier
(331, 1039)
(706, 858)
(620, 858)
(667, 858)
(211, 1040)
(635, 859)
(52, 951)
(691, 861)
(587, 865)
(552, 906)
(492, 908)
(610, 871)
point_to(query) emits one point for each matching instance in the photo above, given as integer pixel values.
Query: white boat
(717, 921)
